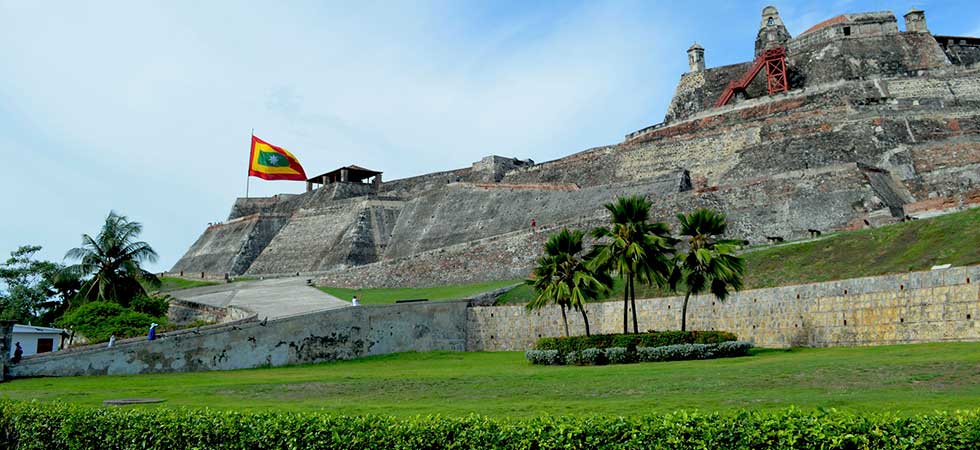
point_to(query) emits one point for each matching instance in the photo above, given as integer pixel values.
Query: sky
(146, 108)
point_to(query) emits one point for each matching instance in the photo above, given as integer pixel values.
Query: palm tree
(563, 278)
(112, 259)
(710, 262)
(634, 248)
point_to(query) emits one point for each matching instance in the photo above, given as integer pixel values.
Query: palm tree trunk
(684, 312)
(633, 304)
(586, 319)
(626, 304)
(564, 319)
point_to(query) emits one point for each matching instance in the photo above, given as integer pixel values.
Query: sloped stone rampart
(933, 306)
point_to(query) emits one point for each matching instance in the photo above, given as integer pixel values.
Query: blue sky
(146, 107)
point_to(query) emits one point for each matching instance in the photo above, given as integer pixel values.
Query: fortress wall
(323, 236)
(323, 336)
(934, 306)
(874, 49)
(230, 247)
(411, 187)
(277, 204)
(465, 212)
(785, 206)
(591, 167)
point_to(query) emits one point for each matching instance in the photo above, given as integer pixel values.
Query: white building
(36, 340)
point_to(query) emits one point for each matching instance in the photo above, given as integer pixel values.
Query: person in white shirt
(112, 340)
(354, 301)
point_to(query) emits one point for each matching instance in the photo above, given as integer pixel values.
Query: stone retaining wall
(933, 306)
(323, 336)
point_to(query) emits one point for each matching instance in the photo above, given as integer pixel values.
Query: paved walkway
(273, 298)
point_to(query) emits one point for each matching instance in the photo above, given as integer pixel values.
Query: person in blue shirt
(153, 332)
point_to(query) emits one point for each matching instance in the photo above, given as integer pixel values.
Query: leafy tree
(562, 277)
(34, 290)
(634, 248)
(112, 259)
(710, 262)
(99, 320)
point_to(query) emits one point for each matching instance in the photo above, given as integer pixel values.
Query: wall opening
(901, 287)
(845, 324)
(847, 31)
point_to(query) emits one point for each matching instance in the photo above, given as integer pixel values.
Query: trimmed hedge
(622, 355)
(632, 341)
(59, 426)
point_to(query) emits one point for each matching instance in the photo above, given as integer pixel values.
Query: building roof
(354, 173)
(31, 329)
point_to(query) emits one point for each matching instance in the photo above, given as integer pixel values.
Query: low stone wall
(325, 336)
(933, 306)
(184, 312)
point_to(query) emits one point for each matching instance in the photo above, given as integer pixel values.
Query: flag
(269, 162)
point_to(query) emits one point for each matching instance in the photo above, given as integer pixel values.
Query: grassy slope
(917, 245)
(385, 296)
(174, 283)
(905, 379)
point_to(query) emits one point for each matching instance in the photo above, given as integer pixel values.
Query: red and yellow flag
(269, 162)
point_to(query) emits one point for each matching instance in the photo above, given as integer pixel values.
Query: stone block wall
(324, 336)
(933, 306)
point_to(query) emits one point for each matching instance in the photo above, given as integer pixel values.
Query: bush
(152, 305)
(619, 355)
(632, 341)
(549, 357)
(99, 320)
(593, 357)
(56, 426)
(622, 355)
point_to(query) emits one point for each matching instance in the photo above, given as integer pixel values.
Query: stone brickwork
(934, 306)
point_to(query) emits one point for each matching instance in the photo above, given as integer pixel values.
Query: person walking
(354, 302)
(18, 353)
(112, 340)
(153, 332)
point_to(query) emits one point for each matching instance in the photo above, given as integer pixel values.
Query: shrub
(622, 355)
(632, 341)
(619, 355)
(549, 357)
(99, 320)
(152, 305)
(594, 356)
(58, 426)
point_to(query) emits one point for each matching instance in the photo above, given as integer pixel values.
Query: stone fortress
(852, 123)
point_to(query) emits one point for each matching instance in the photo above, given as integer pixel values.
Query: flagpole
(247, 178)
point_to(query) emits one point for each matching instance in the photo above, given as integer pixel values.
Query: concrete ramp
(274, 298)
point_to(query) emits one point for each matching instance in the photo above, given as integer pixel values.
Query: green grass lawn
(385, 296)
(173, 283)
(916, 245)
(903, 379)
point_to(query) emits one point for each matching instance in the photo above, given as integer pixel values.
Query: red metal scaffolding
(774, 61)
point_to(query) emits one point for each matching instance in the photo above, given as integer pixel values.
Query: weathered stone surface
(934, 306)
(337, 334)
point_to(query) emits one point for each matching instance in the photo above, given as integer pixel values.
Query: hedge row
(632, 341)
(54, 426)
(622, 355)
